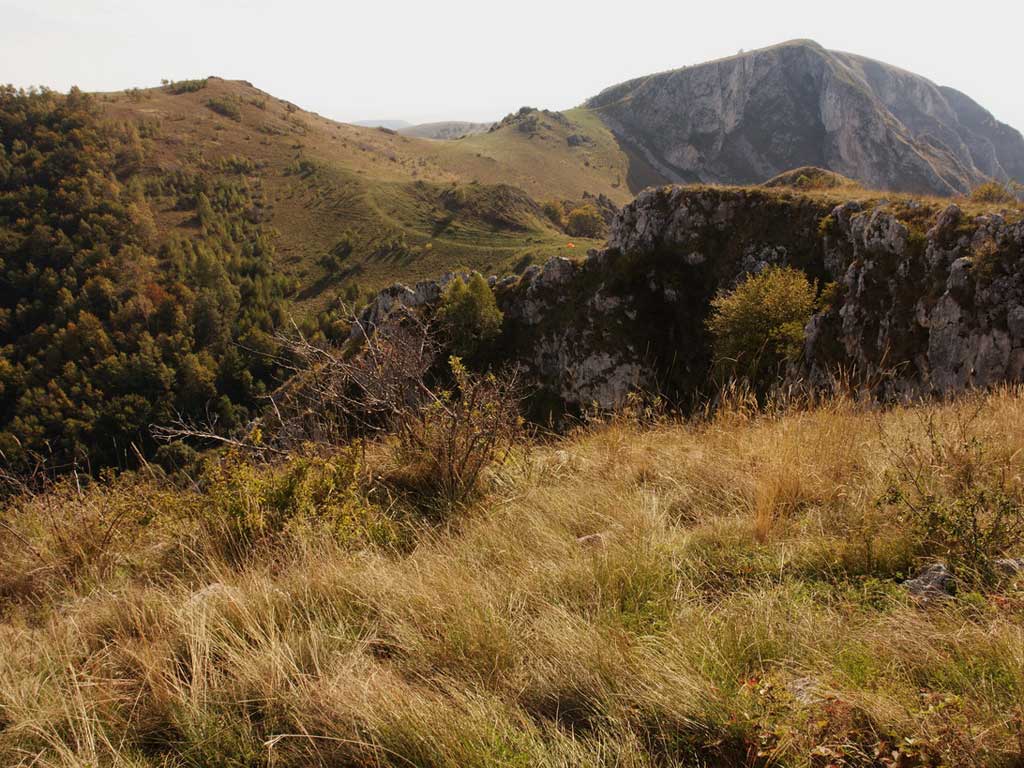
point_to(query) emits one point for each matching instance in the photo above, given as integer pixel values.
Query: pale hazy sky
(438, 59)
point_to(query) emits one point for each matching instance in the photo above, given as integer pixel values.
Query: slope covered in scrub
(730, 591)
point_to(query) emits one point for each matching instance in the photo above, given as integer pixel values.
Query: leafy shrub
(469, 316)
(585, 221)
(237, 164)
(992, 192)
(186, 86)
(253, 504)
(226, 106)
(759, 326)
(445, 445)
(302, 167)
(956, 498)
(339, 253)
(555, 211)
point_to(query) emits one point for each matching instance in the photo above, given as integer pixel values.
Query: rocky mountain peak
(748, 117)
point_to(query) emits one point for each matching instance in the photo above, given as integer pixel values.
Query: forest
(110, 323)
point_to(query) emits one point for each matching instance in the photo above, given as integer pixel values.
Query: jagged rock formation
(744, 119)
(940, 310)
(928, 299)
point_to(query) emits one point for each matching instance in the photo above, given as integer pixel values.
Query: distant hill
(394, 125)
(382, 200)
(746, 118)
(451, 129)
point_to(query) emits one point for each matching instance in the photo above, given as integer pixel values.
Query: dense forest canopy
(106, 326)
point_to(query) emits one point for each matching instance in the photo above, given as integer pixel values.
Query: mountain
(156, 241)
(746, 118)
(451, 129)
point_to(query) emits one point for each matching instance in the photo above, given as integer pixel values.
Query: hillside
(731, 592)
(463, 446)
(386, 195)
(744, 119)
(379, 195)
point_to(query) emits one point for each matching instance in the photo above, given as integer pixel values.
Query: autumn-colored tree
(585, 221)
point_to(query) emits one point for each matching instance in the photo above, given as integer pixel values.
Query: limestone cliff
(927, 299)
(744, 119)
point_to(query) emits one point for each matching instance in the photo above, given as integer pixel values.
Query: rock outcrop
(926, 299)
(747, 118)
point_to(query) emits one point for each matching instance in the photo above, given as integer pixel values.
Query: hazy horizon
(381, 64)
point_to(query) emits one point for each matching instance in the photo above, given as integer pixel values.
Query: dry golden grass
(723, 592)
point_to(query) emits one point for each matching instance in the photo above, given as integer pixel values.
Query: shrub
(445, 446)
(339, 253)
(226, 106)
(555, 211)
(953, 494)
(258, 504)
(444, 428)
(585, 221)
(469, 316)
(992, 192)
(236, 164)
(302, 167)
(759, 326)
(186, 86)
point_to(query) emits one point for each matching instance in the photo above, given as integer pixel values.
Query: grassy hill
(388, 195)
(726, 592)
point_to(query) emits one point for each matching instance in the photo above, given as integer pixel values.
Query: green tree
(104, 329)
(469, 316)
(759, 326)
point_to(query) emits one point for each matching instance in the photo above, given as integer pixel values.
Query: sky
(457, 60)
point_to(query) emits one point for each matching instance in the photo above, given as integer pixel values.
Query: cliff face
(927, 299)
(747, 118)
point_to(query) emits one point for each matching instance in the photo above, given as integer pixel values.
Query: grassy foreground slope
(724, 592)
(388, 195)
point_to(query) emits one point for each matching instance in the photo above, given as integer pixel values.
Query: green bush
(759, 326)
(251, 504)
(992, 192)
(226, 106)
(585, 221)
(955, 496)
(335, 258)
(555, 212)
(469, 316)
(186, 86)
